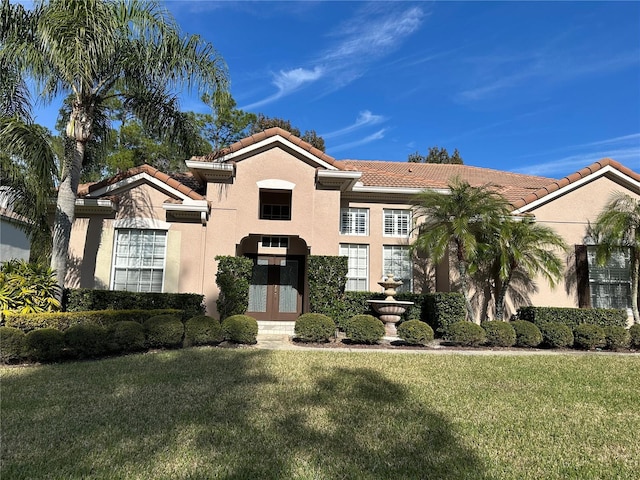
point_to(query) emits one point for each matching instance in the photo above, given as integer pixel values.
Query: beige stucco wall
(14, 243)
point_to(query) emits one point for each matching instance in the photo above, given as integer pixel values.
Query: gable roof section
(556, 188)
(419, 176)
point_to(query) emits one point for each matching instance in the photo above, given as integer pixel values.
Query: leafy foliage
(27, 288)
(573, 316)
(12, 345)
(588, 337)
(465, 334)
(634, 333)
(233, 279)
(125, 336)
(499, 334)
(45, 344)
(164, 331)
(263, 123)
(240, 329)
(364, 329)
(527, 334)
(437, 155)
(415, 332)
(314, 327)
(616, 338)
(327, 276)
(556, 335)
(86, 340)
(202, 330)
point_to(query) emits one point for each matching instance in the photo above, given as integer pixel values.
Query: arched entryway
(277, 290)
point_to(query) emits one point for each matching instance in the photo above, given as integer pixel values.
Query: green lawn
(257, 414)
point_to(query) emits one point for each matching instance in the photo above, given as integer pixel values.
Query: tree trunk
(501, 295)
(462, 271)
(635, 273)
(78, 128)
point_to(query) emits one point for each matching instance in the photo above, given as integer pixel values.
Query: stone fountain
(389, 310)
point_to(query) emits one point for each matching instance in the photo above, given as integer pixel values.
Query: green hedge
(465, 334)
(364, 329)
(588, 337)
(314, 327)
(556, 335)
(527, 334)
(202, 330)
(86, 340)
(45, 344)
(616, 338)
(415, 332)
(327, 276)
(443, 310)
(634, 332)
(240, 329)
(84, 299)
(12, 345)
(126, 336)
(571, 317)
(233, 279)
(164, 331)
(63, 320)
(499, 334)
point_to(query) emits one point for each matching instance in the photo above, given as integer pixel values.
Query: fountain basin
(390, 312)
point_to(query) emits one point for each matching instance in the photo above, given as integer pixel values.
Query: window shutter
(582, 276)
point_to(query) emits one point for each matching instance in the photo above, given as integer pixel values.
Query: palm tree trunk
(464, 286)
(500, 297)
(635, 274)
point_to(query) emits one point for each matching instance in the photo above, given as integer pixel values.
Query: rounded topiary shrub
(364, 329)
(465, 334)
(415, 332)
(499, 334)
(45, 344)
(12, 344)
(164, 331)
(202, 330)
(616, 338)
(314, 327)
(556, 335)
(588, 337)
(634, 333)
(527, 334)
(125, 336)
(240, 329)
(86, 340)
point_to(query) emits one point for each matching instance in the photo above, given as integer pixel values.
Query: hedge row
(603, 317)
(90, 340)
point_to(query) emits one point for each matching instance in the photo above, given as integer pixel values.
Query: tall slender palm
(525, 246)
(458, 219)
(618, 225)
(97, 49)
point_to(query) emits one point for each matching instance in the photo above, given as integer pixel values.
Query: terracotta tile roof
(512, 186)
(258, 137)
(87, 188)
(574, 177)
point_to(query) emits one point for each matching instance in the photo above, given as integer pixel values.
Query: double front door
(275, 292)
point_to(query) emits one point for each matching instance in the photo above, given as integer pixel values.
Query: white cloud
(379, 135)
(365, 118)
(288, 82)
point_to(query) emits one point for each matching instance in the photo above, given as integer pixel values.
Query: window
(358, 273)
(279, 242)
(610, 284)
(275, 204)
(396, 223)
(397, 260)
(138, 261)
(354, 221)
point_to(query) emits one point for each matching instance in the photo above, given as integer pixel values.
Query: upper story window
(139, 260)
(397, 223)
(354, 221)
(610, 284)
(275, 204)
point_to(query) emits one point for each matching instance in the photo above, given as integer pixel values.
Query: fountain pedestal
(389, 310)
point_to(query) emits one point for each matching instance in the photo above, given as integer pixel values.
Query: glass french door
(275, 292)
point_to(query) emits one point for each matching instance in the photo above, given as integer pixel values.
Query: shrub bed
(634, 333)
(85, 341)
(616, 338)
(240, 329)
(415, 332)
(12, 345)
(233, 279)
(588, 337)
(364, 329)
(527, 334)
(556, 335)
(45, 344)
(574, 316)
(314, 327)
(125, 336)
(465, 334)
(499, 334)
(164, 331)
(202, 330)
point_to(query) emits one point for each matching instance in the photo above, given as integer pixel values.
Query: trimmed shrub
(634, 333)
(233, 279)
(125, 336)
(12, 345)
(164, 331)
(499, 334)
(202, 330)
(327, 276)
(527, 334)
(443, 310)
(556, 335)
(88, 340)
(616, 338)
(465, 334)
(573, 316)
(240, 329)
(314, 327)
(415, 332)
(45, 344)
(364, 329)
(588, 337)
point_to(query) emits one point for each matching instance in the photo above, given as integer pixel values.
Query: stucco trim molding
(134, 181)
(142, 223)
(276, 184)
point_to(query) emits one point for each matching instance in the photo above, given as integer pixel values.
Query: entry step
(275, 327)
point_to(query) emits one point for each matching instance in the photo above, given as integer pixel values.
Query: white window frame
(610, 284)
(349, 218)
(116, 266)
(399, 220)
(357, 253)
(402, 272)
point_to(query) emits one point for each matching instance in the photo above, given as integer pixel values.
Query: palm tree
(529, 247)
(458, 219)
(618, 226)
(95, 50)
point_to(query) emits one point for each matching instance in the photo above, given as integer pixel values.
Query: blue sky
(544, 88)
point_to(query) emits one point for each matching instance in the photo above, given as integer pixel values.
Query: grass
(257, 414)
